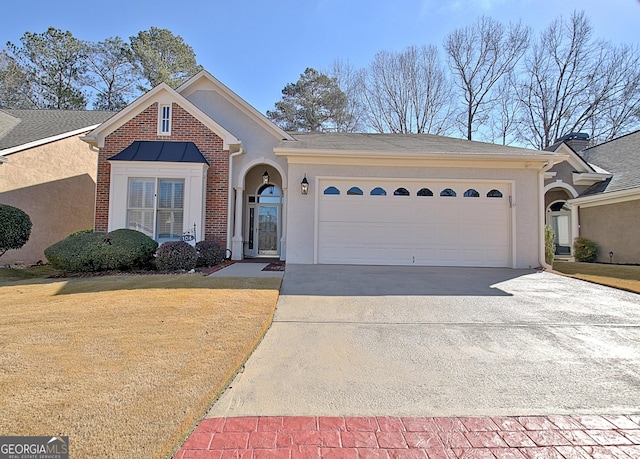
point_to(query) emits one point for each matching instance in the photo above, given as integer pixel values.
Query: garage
(414, 222)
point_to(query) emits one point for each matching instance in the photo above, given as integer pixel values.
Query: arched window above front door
(269, 194)
(558, 206)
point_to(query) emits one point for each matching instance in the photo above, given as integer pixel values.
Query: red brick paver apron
(563, 437)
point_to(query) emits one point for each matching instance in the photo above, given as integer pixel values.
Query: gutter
(541, 213)
(230, 203)
(37, 143)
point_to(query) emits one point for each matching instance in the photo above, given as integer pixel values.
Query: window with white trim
(164, 119)
(159, 214)
(140, 205)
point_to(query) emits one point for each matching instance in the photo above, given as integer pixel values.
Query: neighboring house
(200, 156)
(48, 172)
(596, 194)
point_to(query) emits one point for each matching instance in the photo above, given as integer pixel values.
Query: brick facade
(184, 128)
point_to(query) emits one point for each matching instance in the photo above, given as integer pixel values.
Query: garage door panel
(436, 231)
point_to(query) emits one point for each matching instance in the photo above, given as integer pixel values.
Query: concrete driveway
(420, 341)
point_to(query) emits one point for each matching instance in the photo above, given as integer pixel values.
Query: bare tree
(619, 109)
(408, 92)
(504, 118)
(479, 56)
(110, 73)
(350, 81)
(573, 83)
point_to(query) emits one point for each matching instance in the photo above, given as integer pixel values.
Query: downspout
(230, 197)
(541, 214)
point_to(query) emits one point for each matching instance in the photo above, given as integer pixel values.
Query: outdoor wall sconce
(304, 186)
(265, 177)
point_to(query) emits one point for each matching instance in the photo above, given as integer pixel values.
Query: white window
(164, 120)
(140, 207)
(170, 209)
(158, 214)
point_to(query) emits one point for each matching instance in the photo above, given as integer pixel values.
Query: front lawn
(626, 277)
(123, 365)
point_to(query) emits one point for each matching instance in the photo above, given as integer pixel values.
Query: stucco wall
(257, 142)
(614, 228)
(556, 194)
(301, 210)
(55, 185)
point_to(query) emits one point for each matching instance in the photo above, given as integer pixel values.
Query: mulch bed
(205, 271)
(276, 266)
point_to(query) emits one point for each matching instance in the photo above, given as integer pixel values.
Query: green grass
(625, 277)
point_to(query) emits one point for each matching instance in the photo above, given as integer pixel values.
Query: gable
(160, 95)
(225, 106)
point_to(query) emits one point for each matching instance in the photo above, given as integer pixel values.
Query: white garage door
(428, 223)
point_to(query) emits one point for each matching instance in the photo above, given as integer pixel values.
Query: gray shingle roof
(19, 127)
(621, 157)
(399, 143)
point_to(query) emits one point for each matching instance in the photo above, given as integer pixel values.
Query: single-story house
(48, 172)
(596, 195)
(201, 157)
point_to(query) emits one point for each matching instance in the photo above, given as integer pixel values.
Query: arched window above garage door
(471, 193)
(425, 192)
(448, 193)
(401, 192)
(331, 190)
(355, 191)
(377, 191)
(494, 194)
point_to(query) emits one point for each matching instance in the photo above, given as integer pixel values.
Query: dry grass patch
(625, 277)
(124, 365)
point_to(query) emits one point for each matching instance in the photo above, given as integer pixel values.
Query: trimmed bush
(119, 250)
(82, 231)
(176, 255)
(209, 253)
(585, 250)
(15, 228)
(549, 244)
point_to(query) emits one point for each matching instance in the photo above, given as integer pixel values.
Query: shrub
(549, 244)
(15, 228)
(585, 250)
(81, 231)
(176, 255)
(119, 250)
(209, 253)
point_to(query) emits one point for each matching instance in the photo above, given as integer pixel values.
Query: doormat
(277, 266)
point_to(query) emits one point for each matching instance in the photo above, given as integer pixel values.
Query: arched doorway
(559, 218)
(264, 210)
(262, 229)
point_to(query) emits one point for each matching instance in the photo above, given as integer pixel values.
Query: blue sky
(256, 47)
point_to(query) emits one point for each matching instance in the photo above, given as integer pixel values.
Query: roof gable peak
(204, 80)
(161, 94)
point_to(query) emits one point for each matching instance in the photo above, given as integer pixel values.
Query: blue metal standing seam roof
(149, 150)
